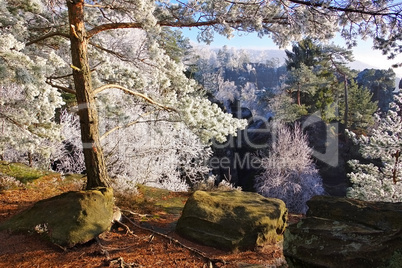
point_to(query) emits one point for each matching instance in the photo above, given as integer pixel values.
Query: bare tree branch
(124, 126)
(49, 35)
(65, 89)
(178, 24)
(373, 12)
(149, 100)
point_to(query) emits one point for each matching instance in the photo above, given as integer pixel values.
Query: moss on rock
(67, 219)
(232, 220)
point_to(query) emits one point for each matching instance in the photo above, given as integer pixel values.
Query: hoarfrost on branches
(27, 102)
(67, 155)
(150, 151)
(151, 148)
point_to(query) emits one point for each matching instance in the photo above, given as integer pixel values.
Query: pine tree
(381, 84)
(361, 108)
(384, 182)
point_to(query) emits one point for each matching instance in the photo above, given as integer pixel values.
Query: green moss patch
(22, 172)
(151, 200)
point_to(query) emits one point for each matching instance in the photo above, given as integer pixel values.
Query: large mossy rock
(67, 219)
(232, 220)
(341, 232)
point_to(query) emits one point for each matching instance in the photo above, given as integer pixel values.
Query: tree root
(211, 261)
(121, 263)
(118, 223)
(119, 260)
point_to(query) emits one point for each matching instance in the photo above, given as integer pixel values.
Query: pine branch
(147, 99)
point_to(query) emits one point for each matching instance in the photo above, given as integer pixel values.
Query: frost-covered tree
(289, 172)
(380, 183)
(27, 103)
(232, 81)
(232, 58)
(86, 24)
(147, 148)
(225, 92)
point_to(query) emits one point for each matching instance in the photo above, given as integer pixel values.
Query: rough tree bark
(94, 160)
(346, 116)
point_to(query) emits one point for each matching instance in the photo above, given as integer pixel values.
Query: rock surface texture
(341, 232)
(232, 220)
(67, 219)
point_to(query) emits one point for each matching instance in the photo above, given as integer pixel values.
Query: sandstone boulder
(341, 232)
(67, 219)
(232, 220)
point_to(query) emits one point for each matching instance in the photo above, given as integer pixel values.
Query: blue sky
(363, 52)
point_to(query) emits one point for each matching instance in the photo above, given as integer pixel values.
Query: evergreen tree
(381, 83)
(305, 52)
(303, 81)
(361, 108)
(316, 85)
(380, 183)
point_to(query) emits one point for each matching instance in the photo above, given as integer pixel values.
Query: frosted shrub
(380, 183)
(289, 172)
(8, 182)
(124, 185)
(227, 186)
(67, 155)
(210, 185)
(37, 160)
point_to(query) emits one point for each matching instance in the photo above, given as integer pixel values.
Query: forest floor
(150, 215)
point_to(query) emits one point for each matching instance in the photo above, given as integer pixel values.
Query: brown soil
(118, 248)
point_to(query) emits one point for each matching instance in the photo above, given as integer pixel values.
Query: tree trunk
(94, 159)
(30, 161)
(346, 116)
(298, 95)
